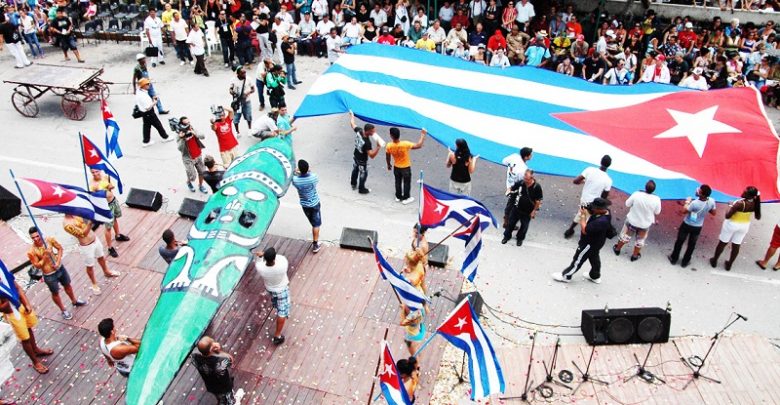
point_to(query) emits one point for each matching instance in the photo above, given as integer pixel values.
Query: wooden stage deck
(340, 312)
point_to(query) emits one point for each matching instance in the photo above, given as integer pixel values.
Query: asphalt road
(513, 279)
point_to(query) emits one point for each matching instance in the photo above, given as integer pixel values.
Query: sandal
(40, 368)
(775, 268)
(758, 263)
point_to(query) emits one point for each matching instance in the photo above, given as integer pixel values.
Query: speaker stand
(528, 381)
(545, 390)
(696, 363)
(641, 370)
(461, 380)
(585, 376)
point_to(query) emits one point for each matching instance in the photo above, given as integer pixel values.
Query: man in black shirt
(362, 152)
(213, 174)
(678, 68)
(64, 30)
(525, 197)
(13, 41)
(225, 32)
(215, 367)
(594, 234)
(289, 48)
(594, 68)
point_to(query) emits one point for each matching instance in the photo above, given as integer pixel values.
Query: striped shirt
(307, 189)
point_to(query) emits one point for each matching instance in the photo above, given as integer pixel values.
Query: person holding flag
(101, 181)
(393, 387)
(19, 314)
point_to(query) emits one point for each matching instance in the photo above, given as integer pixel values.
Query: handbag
(137, 113)
(151, 51)
(236, 103)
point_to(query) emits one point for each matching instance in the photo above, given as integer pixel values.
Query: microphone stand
(544, 389)
(528, 381)
(696, 363)
(584, 375)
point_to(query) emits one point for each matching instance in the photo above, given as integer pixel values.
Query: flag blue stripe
(409, 295)
(7, 288)
(471, 257)
(527, 73)
(333, 103)
(515, 108)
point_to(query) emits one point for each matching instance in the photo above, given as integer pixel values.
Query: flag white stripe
(495, 84)
(490, 364)
(546, 140)
(476, 377)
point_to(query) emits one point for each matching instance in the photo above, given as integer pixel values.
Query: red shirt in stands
(386, 39)
(686, 38)
(497, 41)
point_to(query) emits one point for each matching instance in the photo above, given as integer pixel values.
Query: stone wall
(674, 10)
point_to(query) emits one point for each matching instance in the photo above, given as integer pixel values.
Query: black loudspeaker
(144, 199)
(439, 256)
(10, 205)
(357, 239)
(191, 208)
(624, 326)
(475, 299)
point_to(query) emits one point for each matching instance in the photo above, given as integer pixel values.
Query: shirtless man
(48, 258)
(91, 249)
(23, 328)
(101, 181)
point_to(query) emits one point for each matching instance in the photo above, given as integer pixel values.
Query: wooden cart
(76, 85)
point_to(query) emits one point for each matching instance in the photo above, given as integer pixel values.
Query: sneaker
(67, 315)
(148, 144)
(122, 238)
(504, 241)
(291, 87)
(181, 63)
(364, 191)
(203, 189)
(278, 340)
(592, 280)
(95, 290)
(354, 186)
(226, 65)
(568, 233)
(560, 278)
(238, 135)
(684, 264)
(153, 64)
(239, 395)
(164, 112)
(206, 74)
(397, 199)
(408, 201)
(315, 247)
(262, 107)
(80, 303)
(713, 262)
(192, 63)
(727, 265)
(112, 273)
(298, 82)
(112, 252)
(191, 187)
(162, 62)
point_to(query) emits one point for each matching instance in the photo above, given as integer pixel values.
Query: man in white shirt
(333, 44)
(457, 36)
(695, 81)
(320, 10)
(274, 274)
(516, 165)
(659, 73)
(351, 32)
(437, 34)
(597, 184)
(323, 33)
(145, 104)
(643, 207)
(446, 12)
(378, 15)
(308, 33)
(618, 74)
(197, 44)
(153, 29)
(499, 59)
(285, 16)
(179, 31)
(525, 12)
(476, 8)
(280, 26)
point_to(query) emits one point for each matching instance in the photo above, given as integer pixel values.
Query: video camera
(177, 126)
(218, 111)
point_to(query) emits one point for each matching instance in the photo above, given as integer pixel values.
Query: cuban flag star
(67, 199)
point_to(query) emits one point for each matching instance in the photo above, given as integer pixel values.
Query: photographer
(275, 81)
(241, 89)
(191, 149)
(268, 128)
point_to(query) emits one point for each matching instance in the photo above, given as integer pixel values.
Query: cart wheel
(73, 108)
(58, 91)
(24, 103)
(105, 92)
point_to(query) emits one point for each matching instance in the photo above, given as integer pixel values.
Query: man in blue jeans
(241, 89)
(289, 47)
(306, 184)
(362, 152)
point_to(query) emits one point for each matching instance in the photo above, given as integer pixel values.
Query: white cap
(140, 56)
(698, 71)
(611, 33)
(689, 25)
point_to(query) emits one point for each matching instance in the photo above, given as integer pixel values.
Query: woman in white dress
(402, 15)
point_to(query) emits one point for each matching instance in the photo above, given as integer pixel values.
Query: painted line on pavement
(40, 164)
(746, 277)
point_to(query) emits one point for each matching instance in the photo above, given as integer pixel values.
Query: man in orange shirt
(402, 163)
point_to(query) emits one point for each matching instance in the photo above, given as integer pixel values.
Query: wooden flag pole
(452, 233)
(371, 241)
(29, 212)
(376, 371)
(84, 161)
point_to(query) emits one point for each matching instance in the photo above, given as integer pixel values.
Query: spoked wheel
(73, 108)
(24, 103)
(104, 90)
(58, 91)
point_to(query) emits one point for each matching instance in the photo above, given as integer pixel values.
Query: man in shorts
(306, 184)
(90, 248)
(274, 274)
(23, 328)
(223, 128)
(48, 259)
(101, 181)
(63, 28)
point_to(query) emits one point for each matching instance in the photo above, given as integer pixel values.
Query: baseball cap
(661, 57)
(698, 71)
(688, 25)
(580, 37)
(140, 56)
(611, 33)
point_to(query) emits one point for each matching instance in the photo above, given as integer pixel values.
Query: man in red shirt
(635, 31)
(385, 37)
(687, 38)
(222, 125)
(462, 18)
(191, 149)
(573, 27)
(496, 41)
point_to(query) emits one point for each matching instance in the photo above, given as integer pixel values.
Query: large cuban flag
(390, 381)
(678, 137)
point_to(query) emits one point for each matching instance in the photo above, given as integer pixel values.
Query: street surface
(513, 279)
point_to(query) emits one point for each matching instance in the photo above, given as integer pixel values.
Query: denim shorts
(313, 215)
(53, 280)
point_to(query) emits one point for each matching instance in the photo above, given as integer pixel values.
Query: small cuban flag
(112, 131)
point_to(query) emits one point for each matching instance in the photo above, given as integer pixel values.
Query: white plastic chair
(212, 42)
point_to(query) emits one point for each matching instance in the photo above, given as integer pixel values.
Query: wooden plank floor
(340, 311)
(748, 366)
